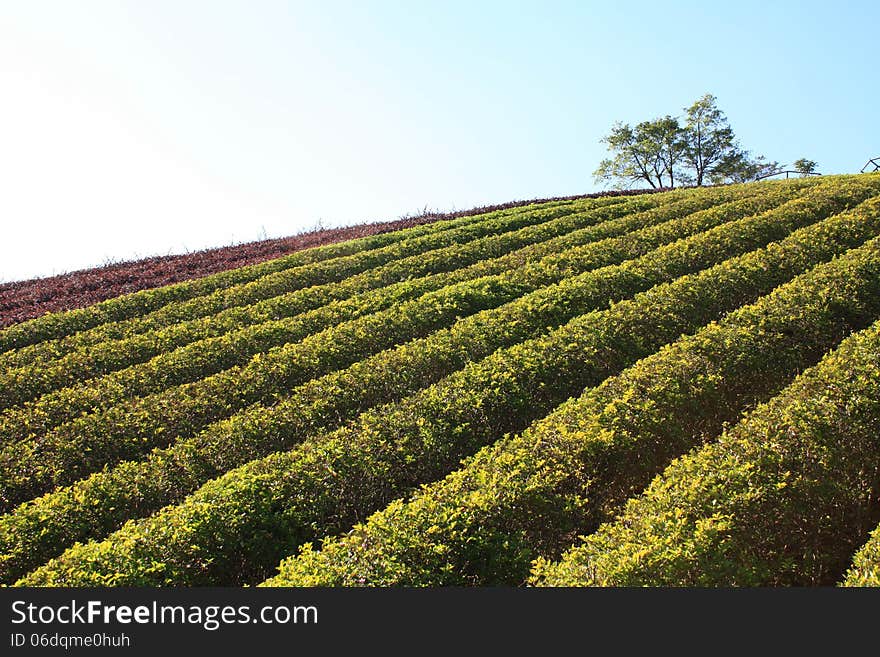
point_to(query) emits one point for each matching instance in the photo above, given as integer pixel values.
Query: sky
(130, 129)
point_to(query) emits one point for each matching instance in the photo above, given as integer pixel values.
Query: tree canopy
(805, 166)
(697, 149)
(651, 151)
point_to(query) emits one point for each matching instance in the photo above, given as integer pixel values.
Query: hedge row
(235, 528)
(23, 300)
(57, 325)
(37, 530)
(865, 569)
(526, 496)
(39, 376)
(297, 301)
(206, 357)
(126, 431)
(783, 498)
(285, 279)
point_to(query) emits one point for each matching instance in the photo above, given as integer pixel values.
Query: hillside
(680, 388)
(24, 300)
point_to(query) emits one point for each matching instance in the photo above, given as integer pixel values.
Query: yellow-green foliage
(75, 449)
(865, 570)
(375, 249)
(99, 504)
(124, 343)
(197, 348)
(202, 432)
(329, 481)
(524, 496)
(783, 498)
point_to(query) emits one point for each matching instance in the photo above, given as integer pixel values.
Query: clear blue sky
(139, 128)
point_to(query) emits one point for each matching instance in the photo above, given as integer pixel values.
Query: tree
(630, 162)
(672, 146)
(708, 137)
(650, 151)
(804, 166)
(663, 151)
(738, 166)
